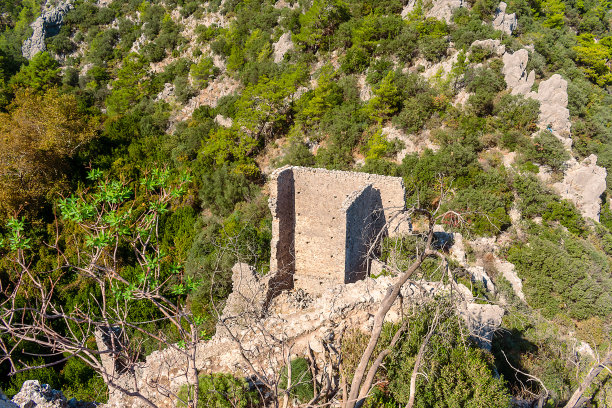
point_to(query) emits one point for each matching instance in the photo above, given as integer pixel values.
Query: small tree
(108, 241)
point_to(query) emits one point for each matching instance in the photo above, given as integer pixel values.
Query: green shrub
(203, 71)
(222, 391)
(569, 271)
(356, 60)
(546, 149)
(301, 380)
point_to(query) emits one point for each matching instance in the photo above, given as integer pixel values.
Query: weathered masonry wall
(323, 221)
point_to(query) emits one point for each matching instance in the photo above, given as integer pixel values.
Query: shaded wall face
(283, 232)
(365, 223)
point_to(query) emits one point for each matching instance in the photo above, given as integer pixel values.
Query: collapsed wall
(324, 222)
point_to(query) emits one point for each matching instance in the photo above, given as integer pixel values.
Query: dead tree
(577, 400)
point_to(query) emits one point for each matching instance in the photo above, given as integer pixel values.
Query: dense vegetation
(97, 100)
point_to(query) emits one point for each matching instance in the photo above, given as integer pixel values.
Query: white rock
(442, 9)
(495, 46)
(504, 22)
(508, 272)
(554, 115)
(479, 274)
(282, 46)
(583, 184)
(585, 350)
(515, 72)
(32, 394)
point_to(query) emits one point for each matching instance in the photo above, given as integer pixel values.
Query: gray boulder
(504, 22)
(47, 25)
(515, 72)
(583, 184)
(441, 9)
(554, 115)
(33, 394)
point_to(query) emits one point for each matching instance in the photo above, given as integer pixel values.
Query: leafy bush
(546, 149)
(221, 391)
(301, 380)
(563, 274)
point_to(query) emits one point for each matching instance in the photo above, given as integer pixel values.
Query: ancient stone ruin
(325, 222)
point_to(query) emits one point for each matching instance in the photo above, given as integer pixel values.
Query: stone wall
(319, 215)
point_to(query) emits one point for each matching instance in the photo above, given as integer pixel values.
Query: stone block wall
(323, 220)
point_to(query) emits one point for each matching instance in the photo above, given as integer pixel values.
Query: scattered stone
(504, 22)
(282, 46)
(583, 184)
(47, 25)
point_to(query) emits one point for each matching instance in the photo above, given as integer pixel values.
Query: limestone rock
(504, 22)
(47, 25)
(282, 46)
(508, 272)
(515, 72)
(482, 321)
(443, 67)
(32, 394)
(495, 46)
(583, 184)
(554, 115)
(365, 90)
(479, 274)
(442, 9)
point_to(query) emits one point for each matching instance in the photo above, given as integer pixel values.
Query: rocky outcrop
(583, 184)
(47, 25)
(508, 271)
(515, 72)
(282, 46)
(504, 22)
(33, 394)
(554, 115)
(495, 46)
(442, 9)
(552, 95)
